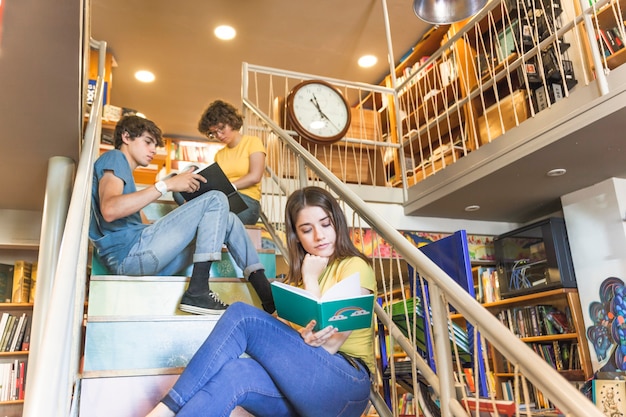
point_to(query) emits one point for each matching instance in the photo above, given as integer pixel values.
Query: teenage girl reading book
(286, 371)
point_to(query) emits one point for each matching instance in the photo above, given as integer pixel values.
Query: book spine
(6, 345)
(20, 339)
(615, 45)
(33, 283)
(5, 333)
(21, 282)
(6, 283)
(606, 41)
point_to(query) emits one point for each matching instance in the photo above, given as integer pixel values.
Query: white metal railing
(491, 73)
(442, 289)
(53, 365)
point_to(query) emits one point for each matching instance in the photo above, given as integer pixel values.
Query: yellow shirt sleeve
(235, 162)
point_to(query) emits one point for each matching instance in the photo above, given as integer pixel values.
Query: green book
(6, 283)
(343, 306)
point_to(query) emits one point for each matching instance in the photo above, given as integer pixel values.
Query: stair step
(123, 396)
(128, 396)
(225, 268)
(119, 295)
(143, 344)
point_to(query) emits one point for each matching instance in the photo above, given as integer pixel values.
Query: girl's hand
(316, 339)
(312, 268)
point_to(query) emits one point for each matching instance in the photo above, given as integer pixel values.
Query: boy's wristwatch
(161, 187)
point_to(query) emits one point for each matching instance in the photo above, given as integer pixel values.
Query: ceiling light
(557, 172)
(225, 32)
(144, 76)
(473, 207)
(367, 61)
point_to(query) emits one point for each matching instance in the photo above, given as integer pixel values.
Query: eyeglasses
(212, 134)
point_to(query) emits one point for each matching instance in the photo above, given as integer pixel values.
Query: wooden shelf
(528, 298)
(20, 246)
(11, 402)
(16, 306)
(14, 353)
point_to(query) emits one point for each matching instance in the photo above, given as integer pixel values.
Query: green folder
(343, 306)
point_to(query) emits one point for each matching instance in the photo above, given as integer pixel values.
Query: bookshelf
(515, 62)
(574, 338)
(606, 18)
(9, 253)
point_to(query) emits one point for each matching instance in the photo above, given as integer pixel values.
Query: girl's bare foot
(161, 410)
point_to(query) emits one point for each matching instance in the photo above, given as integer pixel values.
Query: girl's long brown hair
(315, 197)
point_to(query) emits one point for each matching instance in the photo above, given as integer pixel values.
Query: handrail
(565, 396)
(51, 381)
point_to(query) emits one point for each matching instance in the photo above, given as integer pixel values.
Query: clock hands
(319, 109)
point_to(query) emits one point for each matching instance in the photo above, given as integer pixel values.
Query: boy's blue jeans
(193, 232)
(283, 376)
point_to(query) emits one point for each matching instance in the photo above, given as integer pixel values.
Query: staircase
(137, 341)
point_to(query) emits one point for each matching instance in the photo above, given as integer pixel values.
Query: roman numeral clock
(318, 112)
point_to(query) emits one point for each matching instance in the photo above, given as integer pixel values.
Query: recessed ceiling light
(557, 172)
(367, 61)
(473, 207)
(144, 76)
(225, 32)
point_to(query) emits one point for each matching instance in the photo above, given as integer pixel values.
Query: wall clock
(318, 112)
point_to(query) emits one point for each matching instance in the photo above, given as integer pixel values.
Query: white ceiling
(175, 41)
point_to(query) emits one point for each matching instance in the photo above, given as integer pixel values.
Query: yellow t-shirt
(235, 162)
(360, 343)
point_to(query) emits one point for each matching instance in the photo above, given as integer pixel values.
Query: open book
(217, 180)
(342, 306)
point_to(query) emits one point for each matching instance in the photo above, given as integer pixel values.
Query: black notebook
(217, 180)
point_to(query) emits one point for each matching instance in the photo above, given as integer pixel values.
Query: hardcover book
(21, 282)
(217, 180)
(6, 283)
(343, 306)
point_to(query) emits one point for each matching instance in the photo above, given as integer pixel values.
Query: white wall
(596, 229)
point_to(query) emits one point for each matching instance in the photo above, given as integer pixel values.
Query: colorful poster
(607, 333)
(372, 245)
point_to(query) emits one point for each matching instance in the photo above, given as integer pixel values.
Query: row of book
(610, 40)
(15, 332)
(487, 288)
(539, 320)
(17, 282)
(194, 152)
(12, 380)
(562, 356)
(538, 401)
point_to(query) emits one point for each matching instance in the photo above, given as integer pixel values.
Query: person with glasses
(192, 233)
(267, 367)
(242, 158)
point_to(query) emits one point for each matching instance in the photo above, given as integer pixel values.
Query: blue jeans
(250, 216)
(282, 375)
(193, 232)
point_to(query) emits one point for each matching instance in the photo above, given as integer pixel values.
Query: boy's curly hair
(136, 126)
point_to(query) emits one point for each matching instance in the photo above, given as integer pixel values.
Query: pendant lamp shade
(446, 11)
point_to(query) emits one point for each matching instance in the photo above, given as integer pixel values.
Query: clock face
(318, 111)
